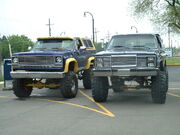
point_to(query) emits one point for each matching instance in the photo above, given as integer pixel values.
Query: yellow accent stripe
(69, 60)
(55, 38)
(98, 104)
(89, 62)
(90, 48)
(173, 94)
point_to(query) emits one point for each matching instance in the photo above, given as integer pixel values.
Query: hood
(45, 52)
(123, 52)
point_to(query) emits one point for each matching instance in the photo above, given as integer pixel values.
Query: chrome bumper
(40, 75)
(126, 72)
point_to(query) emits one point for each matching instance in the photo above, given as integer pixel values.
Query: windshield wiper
(120, 46)
(140, 46)
(58, 48)
(41, 48)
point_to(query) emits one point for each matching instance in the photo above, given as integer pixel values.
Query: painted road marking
(174, 88)
(104, 112)
(98, 104)
(174, 95)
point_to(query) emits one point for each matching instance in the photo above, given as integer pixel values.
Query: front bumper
(126, 72)
(33, 74)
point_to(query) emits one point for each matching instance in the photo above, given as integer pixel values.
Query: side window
(90, 43)
(87, 43)
(78, 42)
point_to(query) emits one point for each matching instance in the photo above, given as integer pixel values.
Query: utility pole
(96, 34)
(49, 24)
(108, 36)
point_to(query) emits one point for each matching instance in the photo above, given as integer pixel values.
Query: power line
(49, 24)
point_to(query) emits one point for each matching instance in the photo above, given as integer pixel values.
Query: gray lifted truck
(132, 57)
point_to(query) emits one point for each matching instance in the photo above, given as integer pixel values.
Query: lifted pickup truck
(131, 57)
(54, 62)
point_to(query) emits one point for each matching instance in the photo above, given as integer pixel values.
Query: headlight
(99, 62)
(151, 65)
(15, 60)
(58, 60)
(151, 61)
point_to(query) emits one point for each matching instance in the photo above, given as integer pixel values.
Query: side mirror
(82, 48)
(105, 46)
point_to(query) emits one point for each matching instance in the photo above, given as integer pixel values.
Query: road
(129, 113)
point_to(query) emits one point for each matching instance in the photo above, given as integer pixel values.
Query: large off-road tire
(117, 84)
(167, 78)
(100, 88)
(159, 87)
(87, 79)
(19, 88)
(69, 85)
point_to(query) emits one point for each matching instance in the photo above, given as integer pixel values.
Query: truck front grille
(123, 61)
(36, 60)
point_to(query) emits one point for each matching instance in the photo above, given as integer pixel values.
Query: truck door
(80, 54)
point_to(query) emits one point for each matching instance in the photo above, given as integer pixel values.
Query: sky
(29, 17)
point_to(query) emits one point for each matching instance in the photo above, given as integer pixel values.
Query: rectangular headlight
(151, 61)
(58, 60)
(99, 62)
(15, 60)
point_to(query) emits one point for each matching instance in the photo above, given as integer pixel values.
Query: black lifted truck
(137, 58)
(54, 62)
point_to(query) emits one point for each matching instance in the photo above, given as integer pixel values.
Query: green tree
(99, 47)
(163, 13)
(18, 44)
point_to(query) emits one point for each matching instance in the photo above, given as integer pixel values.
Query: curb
(176, 64)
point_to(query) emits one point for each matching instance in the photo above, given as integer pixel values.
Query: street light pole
(92, 23)
(135, 28)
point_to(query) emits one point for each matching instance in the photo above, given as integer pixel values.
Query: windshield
(132, 41)
(54, 44)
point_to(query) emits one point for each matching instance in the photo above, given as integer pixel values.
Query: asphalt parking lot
(129, 113)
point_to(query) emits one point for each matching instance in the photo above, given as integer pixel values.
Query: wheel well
(92, 64)
(162, 66)
(71, 66)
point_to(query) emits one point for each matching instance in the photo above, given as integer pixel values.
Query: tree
(99, 47)
(163, 13)
(18, 44)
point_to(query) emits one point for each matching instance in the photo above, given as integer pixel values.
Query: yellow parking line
(174, 88)
(104, 112)
(173, 94)
(98, 104)
(77, 105)
(6, 97)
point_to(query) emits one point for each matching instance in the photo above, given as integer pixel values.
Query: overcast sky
(29, 17)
